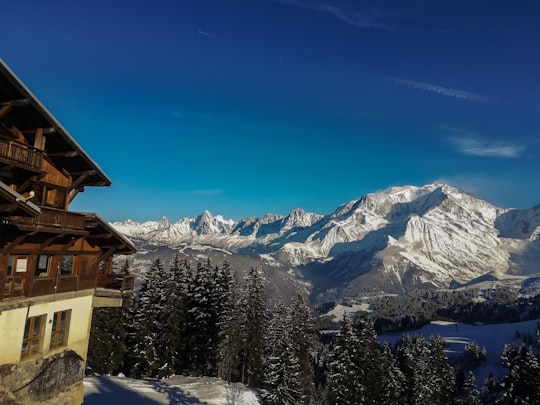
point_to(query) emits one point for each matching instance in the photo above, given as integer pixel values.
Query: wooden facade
(45, 169)
(47, 252)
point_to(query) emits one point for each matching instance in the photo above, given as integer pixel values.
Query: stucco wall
(36, 378)
(12, 326)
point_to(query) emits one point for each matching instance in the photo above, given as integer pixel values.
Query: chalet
(55, 264)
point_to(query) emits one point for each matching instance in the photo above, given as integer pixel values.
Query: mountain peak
(298, 218)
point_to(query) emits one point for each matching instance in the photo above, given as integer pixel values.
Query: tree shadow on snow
(111, 392)
(174, 394)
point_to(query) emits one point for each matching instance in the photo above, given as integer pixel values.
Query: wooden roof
(101, 233)
(12, 203)
(26, 113)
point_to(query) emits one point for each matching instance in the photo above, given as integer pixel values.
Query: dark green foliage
(107, 344)
(197, 321)
(230, 329)
(473, 356)
(143, 357)
(252, 329)
(282, 368)
(289, 366)
(429, 379)
(171, 340)
(522, 383)
(359, 373)
(466, 391)
(106, 348)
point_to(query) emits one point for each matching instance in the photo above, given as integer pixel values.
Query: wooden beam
(16, 242)
(8, 207)
(73, 194)
(108, 253)
(4, 110)
(101, 236)
(46, 131)
(86, 172)
(22, 188)
(49, 241)
(76, 183)
(40, 139)
(49, 229)
(23, 102)
(70, 153)
(69, 244)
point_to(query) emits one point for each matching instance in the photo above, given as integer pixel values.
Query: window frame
(41, 272)
(32, 343)
(13, 266)
(60, 329)
(71, 271)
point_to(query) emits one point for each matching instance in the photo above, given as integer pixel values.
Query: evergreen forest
(200, 320)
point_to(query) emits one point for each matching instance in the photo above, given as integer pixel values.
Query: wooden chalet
(55, 264)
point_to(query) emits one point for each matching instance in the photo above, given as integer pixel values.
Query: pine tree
(252, 333)
(198, 318)
(107, 344)
(522, 383)
(171, 318)
(344, 383)
(393, 380)
(442, 374)
(282, 367)
(469, 394)
(429, 378)
(302, 339)
(143, 359)
(230, 328)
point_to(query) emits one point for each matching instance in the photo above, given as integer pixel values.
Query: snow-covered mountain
(395, 240)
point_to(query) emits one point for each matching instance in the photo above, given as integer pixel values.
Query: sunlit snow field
(456, 336)
(105, 390)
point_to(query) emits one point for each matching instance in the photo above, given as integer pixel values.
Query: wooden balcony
(53, 218)
(114, 285)
(20, 155)
(122, 282)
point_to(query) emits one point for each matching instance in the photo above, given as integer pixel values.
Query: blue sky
(245, 107)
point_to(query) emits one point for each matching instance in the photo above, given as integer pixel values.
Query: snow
(348, 310)
(435, 230)
(105, 390)
(456, 336)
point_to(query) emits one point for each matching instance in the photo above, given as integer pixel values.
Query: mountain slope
(395, 240)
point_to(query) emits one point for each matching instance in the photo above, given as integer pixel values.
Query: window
(43, 266)
(50, 197)
(68, 262)
(60, 328)
(16, 268)
(33, 334)
(18, 263)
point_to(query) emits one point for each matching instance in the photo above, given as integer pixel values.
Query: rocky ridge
(396, 240)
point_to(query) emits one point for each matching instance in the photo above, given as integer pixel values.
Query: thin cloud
(444, 91)
(206, 34)
(494, 189)
(355, 18)
(475, 147)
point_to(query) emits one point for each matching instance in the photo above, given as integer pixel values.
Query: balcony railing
(122, 282)
(53, 218)
(20, 154)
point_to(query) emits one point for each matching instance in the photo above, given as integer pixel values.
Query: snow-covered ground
(456, 337)
(349, 310)
(107, 390)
